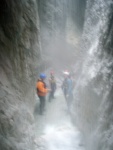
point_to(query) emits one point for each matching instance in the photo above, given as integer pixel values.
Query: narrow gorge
(37, 36)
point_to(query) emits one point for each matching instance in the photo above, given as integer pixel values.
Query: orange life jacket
(41, 88)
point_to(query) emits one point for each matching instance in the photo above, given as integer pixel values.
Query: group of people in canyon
(43, 90)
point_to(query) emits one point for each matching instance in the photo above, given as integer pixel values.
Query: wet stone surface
(54, 130)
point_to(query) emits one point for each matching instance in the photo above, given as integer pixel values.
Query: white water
(54, 130)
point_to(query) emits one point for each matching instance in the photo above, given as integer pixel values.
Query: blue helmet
(42, 76)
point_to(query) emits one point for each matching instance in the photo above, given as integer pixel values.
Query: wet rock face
(93, 91)
(18, 37)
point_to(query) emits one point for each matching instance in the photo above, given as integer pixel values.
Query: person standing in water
(42, 91)
(67, 87)
(52, 84)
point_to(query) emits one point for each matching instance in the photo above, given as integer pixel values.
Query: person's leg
(54, 90)
(69, 102)
(43, 103)
(40, 97)
(50, 96)
(64, 91)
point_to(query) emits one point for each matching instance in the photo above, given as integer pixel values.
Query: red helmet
(52, 72)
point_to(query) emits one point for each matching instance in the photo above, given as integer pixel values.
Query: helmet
(66, 73)
(42, 76)
(52, 72)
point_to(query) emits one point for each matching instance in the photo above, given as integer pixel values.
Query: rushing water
(54, 130)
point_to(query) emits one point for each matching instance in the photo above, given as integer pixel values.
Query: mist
(61, 31)
(57, 41)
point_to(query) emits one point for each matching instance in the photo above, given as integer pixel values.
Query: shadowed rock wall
(18, 52)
